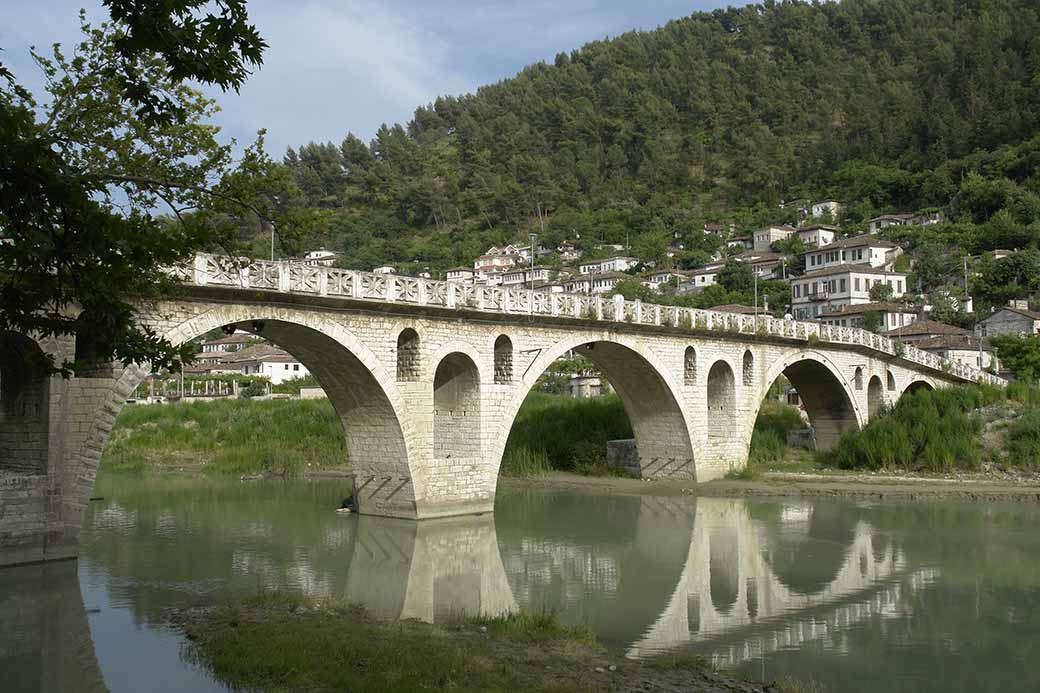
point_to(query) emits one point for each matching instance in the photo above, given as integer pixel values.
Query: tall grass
(232, 436)
(934, 431)
(564, 433)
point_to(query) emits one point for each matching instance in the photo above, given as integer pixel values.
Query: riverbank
(284, 642)
(895, 487)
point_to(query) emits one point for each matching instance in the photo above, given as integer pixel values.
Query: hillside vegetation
(888, 105)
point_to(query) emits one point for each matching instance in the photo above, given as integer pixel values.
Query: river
(855, 596)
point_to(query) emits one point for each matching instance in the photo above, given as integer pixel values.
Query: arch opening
(891, 381)
(748, 369)
(456, 408)
(875, 397)
(408, 368)
(857, 378)
(503, 360)
(654, 441)
(722, 402)
(690, 366)
(918, 386)
(807, 405)
(24, 405)
(370, 443)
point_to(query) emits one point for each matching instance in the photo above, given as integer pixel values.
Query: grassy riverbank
(963, 428)
(283, 642)
(228, 436)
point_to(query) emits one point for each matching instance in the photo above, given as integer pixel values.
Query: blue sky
(347, 66)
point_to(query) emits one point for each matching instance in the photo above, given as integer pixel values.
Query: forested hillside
(885, 104)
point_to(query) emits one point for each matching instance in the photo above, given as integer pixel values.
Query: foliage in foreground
(229, 436)
(280, 641)
(939, 431)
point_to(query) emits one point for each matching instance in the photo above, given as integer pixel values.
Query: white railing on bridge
(295, 277)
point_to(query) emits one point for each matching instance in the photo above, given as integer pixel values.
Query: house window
(857, 284)
(296, 367)
(843, 286)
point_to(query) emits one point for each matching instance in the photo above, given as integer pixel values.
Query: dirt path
(787, 484)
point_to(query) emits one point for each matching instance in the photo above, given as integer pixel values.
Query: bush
(1023, 440)
(570, 433)
(933, 431)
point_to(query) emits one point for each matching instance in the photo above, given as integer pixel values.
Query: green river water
(855, 596)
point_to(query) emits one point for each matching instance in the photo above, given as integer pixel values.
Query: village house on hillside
(232, 342)
(1013, 319)
(856, 250)
(826, 290)
(832, 207)
(319, 258)
(891, 315)
(617, 263)
(764, 238)
(818, 235)
(948, 341)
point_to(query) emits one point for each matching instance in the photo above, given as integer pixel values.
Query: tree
(872, 321)
(736, 276)
(1020, 355)
(880, 292)
(122, 134)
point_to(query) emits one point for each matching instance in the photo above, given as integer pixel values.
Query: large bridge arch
(379, 436)
(647, 388)
(829, 398)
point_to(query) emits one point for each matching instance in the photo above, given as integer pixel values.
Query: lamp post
(533, 238)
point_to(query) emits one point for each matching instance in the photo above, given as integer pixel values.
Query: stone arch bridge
(428, 377)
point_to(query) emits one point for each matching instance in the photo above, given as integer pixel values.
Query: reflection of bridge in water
(728, 579)
(742, 586)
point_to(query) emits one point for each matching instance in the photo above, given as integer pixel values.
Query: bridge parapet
(298, 278)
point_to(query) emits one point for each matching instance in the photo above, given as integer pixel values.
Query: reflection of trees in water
(45, 642)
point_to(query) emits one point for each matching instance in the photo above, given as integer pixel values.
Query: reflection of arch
(724, 569)
(875, 397)
(646, 389)
(408, 356)
(891, 382)
(503, 360)
(456, 408)
(690, 366)
(749, 368)
(24, 400)
(360, 389)
(827, 397)
(721, 401)
(918, 386)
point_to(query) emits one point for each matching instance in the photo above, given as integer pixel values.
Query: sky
(335, 67)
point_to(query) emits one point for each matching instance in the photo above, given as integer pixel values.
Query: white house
(232, 342)
(833, 207)
(740, 243)
(497, 258)
(824, 291)
(964, 349)
(857, 250)
(764, 264)
(818, 235)
(268, 361)
(885, 220)
(617, 263)
(320, 257)
(657, 281)
(525, 275)
(892, 315)
(384, 269)
(763, 239)
(460, 274)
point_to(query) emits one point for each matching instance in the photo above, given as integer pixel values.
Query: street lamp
(533, 238)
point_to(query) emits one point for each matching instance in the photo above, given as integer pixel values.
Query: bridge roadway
(427, 378)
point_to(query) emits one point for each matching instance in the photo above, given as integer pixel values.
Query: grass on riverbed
(283, 642)
(231, 436)
(553, 432)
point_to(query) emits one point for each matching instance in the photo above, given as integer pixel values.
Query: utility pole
(272, 242)
(533, 238)
(755, 275)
